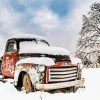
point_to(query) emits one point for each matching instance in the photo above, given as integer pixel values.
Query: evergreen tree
(88, 46)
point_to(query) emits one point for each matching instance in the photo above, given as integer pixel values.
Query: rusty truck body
(35, 65)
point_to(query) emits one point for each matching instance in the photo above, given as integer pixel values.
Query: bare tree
(88, 46)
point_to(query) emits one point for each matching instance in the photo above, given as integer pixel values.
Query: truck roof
(30, 36)
(43, 50)
(38, 48)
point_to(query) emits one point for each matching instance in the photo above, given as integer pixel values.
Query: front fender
(34, 76)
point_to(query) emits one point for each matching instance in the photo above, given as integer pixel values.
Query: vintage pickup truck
(35, 65)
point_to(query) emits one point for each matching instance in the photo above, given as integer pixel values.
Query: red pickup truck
(35, 65)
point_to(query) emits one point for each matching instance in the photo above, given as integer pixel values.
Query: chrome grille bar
(62, 69)
(60, 74)
(60, 80)
(63, 76)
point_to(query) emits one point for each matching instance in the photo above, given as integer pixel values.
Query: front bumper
(53, 86)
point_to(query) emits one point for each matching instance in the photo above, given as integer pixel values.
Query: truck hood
(44, 50)
(37, 60)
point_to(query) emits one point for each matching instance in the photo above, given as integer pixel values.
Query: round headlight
(80, 66)
(41, 68)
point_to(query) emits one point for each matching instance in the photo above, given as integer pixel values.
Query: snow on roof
(43, 50)
(37, 60)
(28, 36)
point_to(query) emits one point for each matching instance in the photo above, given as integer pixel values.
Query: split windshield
(28, 48)
(32, 42)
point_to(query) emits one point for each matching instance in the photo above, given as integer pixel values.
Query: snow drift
(92, 90)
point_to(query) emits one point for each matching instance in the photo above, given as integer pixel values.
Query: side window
(11, 47)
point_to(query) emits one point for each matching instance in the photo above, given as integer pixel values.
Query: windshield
(42, 43)
(26, 44)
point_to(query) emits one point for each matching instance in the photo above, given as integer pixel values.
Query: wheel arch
(20, 80)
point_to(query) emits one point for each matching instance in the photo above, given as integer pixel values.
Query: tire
(75, 89)
(26, 83)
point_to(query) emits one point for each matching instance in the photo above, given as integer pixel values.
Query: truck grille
(62, 74)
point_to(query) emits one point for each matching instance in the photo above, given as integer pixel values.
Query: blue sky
(60, 7)
(58, 20)
(17, 6)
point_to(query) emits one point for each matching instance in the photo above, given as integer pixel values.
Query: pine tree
(88, 46)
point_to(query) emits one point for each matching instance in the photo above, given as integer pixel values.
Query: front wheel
(27, 84)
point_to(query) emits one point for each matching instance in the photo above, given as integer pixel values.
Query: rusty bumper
(60, 85)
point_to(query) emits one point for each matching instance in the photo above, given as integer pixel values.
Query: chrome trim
(53, 86)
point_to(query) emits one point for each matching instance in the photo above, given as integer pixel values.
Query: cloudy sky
(58, 20)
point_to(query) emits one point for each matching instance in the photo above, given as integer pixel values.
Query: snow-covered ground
(92, 90)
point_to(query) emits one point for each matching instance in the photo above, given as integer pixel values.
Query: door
(9, 59)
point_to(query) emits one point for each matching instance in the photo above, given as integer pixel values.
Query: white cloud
(2, 45)
(8, 22)
(8, 17)
(46, 19)
(65, 34)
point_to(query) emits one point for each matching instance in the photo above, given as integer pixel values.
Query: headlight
(41, 68)
(80, 66)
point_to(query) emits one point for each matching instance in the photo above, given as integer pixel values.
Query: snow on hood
(28, 36)
(44, 50)
(37, 60)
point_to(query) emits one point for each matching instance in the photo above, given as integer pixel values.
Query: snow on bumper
(59, 85)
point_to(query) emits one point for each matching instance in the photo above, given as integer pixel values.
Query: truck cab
(35, 65)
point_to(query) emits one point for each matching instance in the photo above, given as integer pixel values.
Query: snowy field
(91, 91)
